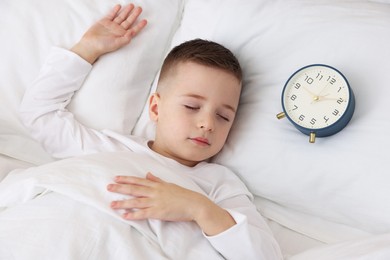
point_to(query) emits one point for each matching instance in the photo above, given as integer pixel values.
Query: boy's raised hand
(110, 33)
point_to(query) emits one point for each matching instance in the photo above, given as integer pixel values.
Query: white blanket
(61, 211)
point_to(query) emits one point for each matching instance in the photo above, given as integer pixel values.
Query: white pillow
(113, 94)
(343, 178)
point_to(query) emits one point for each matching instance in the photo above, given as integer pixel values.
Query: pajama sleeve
(250, 238)
(43, 108)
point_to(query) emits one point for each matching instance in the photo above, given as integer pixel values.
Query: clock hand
(325, 98)
(323, 89)
(308, 91)
(314, 96)
(317, 97)
(322, 98)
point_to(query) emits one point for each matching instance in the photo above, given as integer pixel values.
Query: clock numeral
(340, 101)
(326, 119)
(339, 89)
(297, 85)
(313, 121)
(295, 107)
(293, 97)
(331, 80)
(319, 76)
(309, 80)
(302, 117)
(336, 112)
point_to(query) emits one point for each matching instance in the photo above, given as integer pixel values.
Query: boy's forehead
(193, 67)
(187, 75)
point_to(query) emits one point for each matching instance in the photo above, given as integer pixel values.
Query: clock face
(316, 97)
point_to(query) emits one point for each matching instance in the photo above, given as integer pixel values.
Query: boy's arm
(110, 33)
(43, 108)
(237, 233)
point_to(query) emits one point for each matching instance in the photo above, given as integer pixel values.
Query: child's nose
(207, 123)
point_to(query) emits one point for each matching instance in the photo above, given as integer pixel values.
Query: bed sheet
(372, 247)
(290, 241)
(294, 233)
(7, 164)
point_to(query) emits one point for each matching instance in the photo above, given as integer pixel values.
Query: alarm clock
(318, 100)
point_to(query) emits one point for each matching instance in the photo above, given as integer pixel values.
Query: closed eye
(224, 118)
(191, 107)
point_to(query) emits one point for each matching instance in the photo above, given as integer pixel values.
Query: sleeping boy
(193, 109)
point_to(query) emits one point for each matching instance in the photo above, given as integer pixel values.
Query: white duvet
(61, 211)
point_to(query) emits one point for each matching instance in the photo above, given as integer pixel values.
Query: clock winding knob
(281, 115)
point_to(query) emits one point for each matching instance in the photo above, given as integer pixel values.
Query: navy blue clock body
(336, 126)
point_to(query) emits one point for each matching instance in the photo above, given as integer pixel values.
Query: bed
(327, 200)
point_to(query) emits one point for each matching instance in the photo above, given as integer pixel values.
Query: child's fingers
(128, 189)
(151, 177)
(113, 12)
(136, 203)
(132, 180)
(131, 18)
(124, 13)
(136, 28)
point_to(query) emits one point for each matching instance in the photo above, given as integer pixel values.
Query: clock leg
(312, 137)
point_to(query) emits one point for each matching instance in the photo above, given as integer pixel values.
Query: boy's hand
(110, 33)
(156, 199)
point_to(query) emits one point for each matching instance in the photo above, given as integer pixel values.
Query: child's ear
(153, 106)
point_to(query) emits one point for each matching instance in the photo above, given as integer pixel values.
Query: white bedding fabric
(78, 214)
(79, 185)
(78, 231)
(342, 179)
(370, 248)
(119, 83)
(86, 228)
(8, 164)
(342, 204)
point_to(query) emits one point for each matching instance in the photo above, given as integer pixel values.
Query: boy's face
(194, 112)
